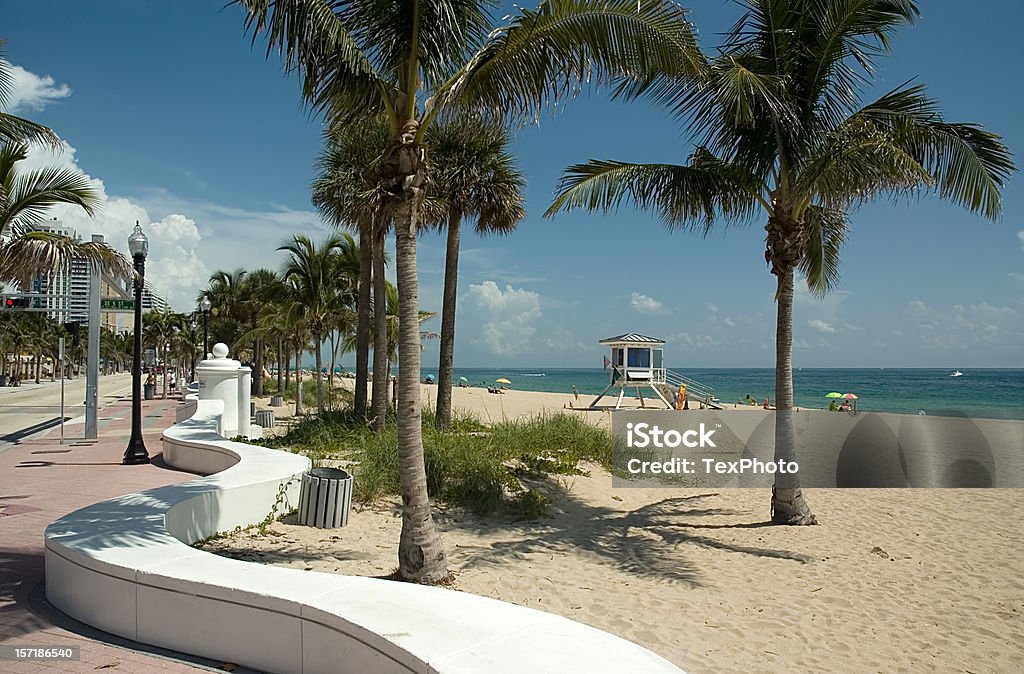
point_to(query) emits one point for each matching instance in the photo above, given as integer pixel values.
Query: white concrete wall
(125, 566)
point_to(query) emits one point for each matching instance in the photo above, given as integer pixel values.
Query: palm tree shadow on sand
(649, 542)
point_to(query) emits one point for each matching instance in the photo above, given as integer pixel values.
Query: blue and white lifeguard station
(638, 362)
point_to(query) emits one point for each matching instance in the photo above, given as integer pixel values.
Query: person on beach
(833, 407)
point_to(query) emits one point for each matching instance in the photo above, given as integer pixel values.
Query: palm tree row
(312, 303)
(776, 116)
(416, 63)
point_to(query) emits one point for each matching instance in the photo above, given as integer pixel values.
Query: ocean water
(984, 393)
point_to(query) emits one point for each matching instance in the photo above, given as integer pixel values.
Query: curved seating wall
(125, 566)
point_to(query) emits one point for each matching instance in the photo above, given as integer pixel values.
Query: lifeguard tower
(638, 362)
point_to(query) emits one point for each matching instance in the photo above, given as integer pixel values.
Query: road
(32, 408)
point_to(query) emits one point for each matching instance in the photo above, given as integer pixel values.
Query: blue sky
(190, 129)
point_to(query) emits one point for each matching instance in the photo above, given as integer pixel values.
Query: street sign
(115, 304)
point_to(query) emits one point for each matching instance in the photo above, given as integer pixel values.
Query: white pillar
(244, 384)
(218, 380)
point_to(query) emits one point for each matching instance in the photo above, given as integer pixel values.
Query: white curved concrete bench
(125, 566)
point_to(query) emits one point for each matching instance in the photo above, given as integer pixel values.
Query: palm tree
(414, 59)
(343, 317)
(25, 199)
(780, 128)
(257, 289)
(225, 292)
(345, 191)
(475, 177)
(158, 330)
(311, 271)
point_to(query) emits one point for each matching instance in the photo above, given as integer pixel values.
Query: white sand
(892, 580)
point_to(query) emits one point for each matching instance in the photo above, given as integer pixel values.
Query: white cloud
(976, 326)
(31, 92)
(174, 267)
(713, 308)
(508, 316)
(688, 341)
(647, 305)
(563, 340)
(1020, 237)
(821, 326)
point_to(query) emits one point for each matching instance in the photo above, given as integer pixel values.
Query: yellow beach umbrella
(502, 381)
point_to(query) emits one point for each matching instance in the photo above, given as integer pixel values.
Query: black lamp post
(205, 305)
(192, 346)
(136, 453)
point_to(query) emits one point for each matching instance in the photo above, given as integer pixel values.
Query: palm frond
(825, 232)
(548, 55)
(32, 253)
(691, 196)
(967, 164)
(313, 38)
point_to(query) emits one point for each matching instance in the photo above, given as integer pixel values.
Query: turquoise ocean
(983, 393)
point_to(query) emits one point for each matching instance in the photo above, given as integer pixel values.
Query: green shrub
(472, 465)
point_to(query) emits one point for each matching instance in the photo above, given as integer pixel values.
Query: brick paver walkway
(41, 480)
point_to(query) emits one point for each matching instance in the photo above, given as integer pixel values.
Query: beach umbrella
(502, 381)
(834, 394)
(850, 396)
(463, 380)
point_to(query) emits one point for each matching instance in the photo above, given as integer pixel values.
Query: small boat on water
(957, 373)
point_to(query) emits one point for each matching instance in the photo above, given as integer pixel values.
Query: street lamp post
(192, 347)
(205, 305)
(138, 246)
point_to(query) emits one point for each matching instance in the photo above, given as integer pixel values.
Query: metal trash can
(276, 401)
(149, 391)
(265, 418)
(325, 498)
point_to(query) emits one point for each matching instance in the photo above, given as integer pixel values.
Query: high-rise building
(67, 290)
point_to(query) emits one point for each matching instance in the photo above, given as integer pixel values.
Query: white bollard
(218, 380)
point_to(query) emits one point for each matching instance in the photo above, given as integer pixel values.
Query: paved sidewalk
(41, 480)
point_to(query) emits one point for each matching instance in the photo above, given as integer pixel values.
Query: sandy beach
(897, 580)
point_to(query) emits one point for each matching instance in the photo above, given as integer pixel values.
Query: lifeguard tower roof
(632, 338)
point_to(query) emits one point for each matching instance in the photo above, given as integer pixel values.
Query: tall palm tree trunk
(363, 317)
(381, 372)
(257, 365)
(319, 359)
(421, 554)
(287, 368)
(298, 378)
(788, 503)
(443, 417)
(281, 365)
(163, 358)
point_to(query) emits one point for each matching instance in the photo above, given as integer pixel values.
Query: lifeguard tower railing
(694, 389)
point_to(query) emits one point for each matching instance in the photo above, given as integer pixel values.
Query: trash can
(149, 391)
(3, 380)
(276, 401)
(325, 498)
(265, 418)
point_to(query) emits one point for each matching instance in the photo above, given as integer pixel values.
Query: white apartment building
(72, 289)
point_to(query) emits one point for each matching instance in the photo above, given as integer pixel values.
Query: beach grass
(336, 397)
(486, 469)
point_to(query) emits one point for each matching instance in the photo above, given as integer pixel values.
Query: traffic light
(74, 329)
(17, 302)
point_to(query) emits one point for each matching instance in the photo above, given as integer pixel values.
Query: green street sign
(113, 304)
